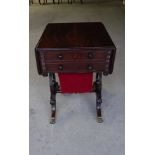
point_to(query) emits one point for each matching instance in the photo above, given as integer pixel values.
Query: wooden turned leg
(98, 110)
(53, 90)
(53, 111)
(98, 89)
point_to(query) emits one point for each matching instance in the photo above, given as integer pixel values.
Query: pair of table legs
(97, 88)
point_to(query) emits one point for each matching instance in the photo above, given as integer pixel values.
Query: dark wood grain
(75, 55)
(75, 46)
(76, 68)
(75, 35)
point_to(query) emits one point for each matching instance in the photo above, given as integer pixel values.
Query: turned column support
(53, 90)
(98, 91)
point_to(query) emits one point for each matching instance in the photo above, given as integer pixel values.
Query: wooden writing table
(77, 49)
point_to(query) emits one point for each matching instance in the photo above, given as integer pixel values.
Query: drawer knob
(60, 56)
(60, 67)
(108, 56)
(90, 67)
(90, 55)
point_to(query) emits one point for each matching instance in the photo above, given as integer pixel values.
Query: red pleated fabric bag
(75, 82)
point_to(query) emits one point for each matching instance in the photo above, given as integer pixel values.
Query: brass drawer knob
(60, 67)
(90, 67)
(108, 56)
(60, 56)
(90, 55)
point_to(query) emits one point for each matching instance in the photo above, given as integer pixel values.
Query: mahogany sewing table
(75, 51)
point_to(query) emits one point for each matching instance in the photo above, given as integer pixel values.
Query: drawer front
(51, 56)
(77, 67)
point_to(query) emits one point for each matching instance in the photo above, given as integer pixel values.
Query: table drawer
(50, 56)
(77, 67)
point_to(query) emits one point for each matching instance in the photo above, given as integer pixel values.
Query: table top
(75, 35)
